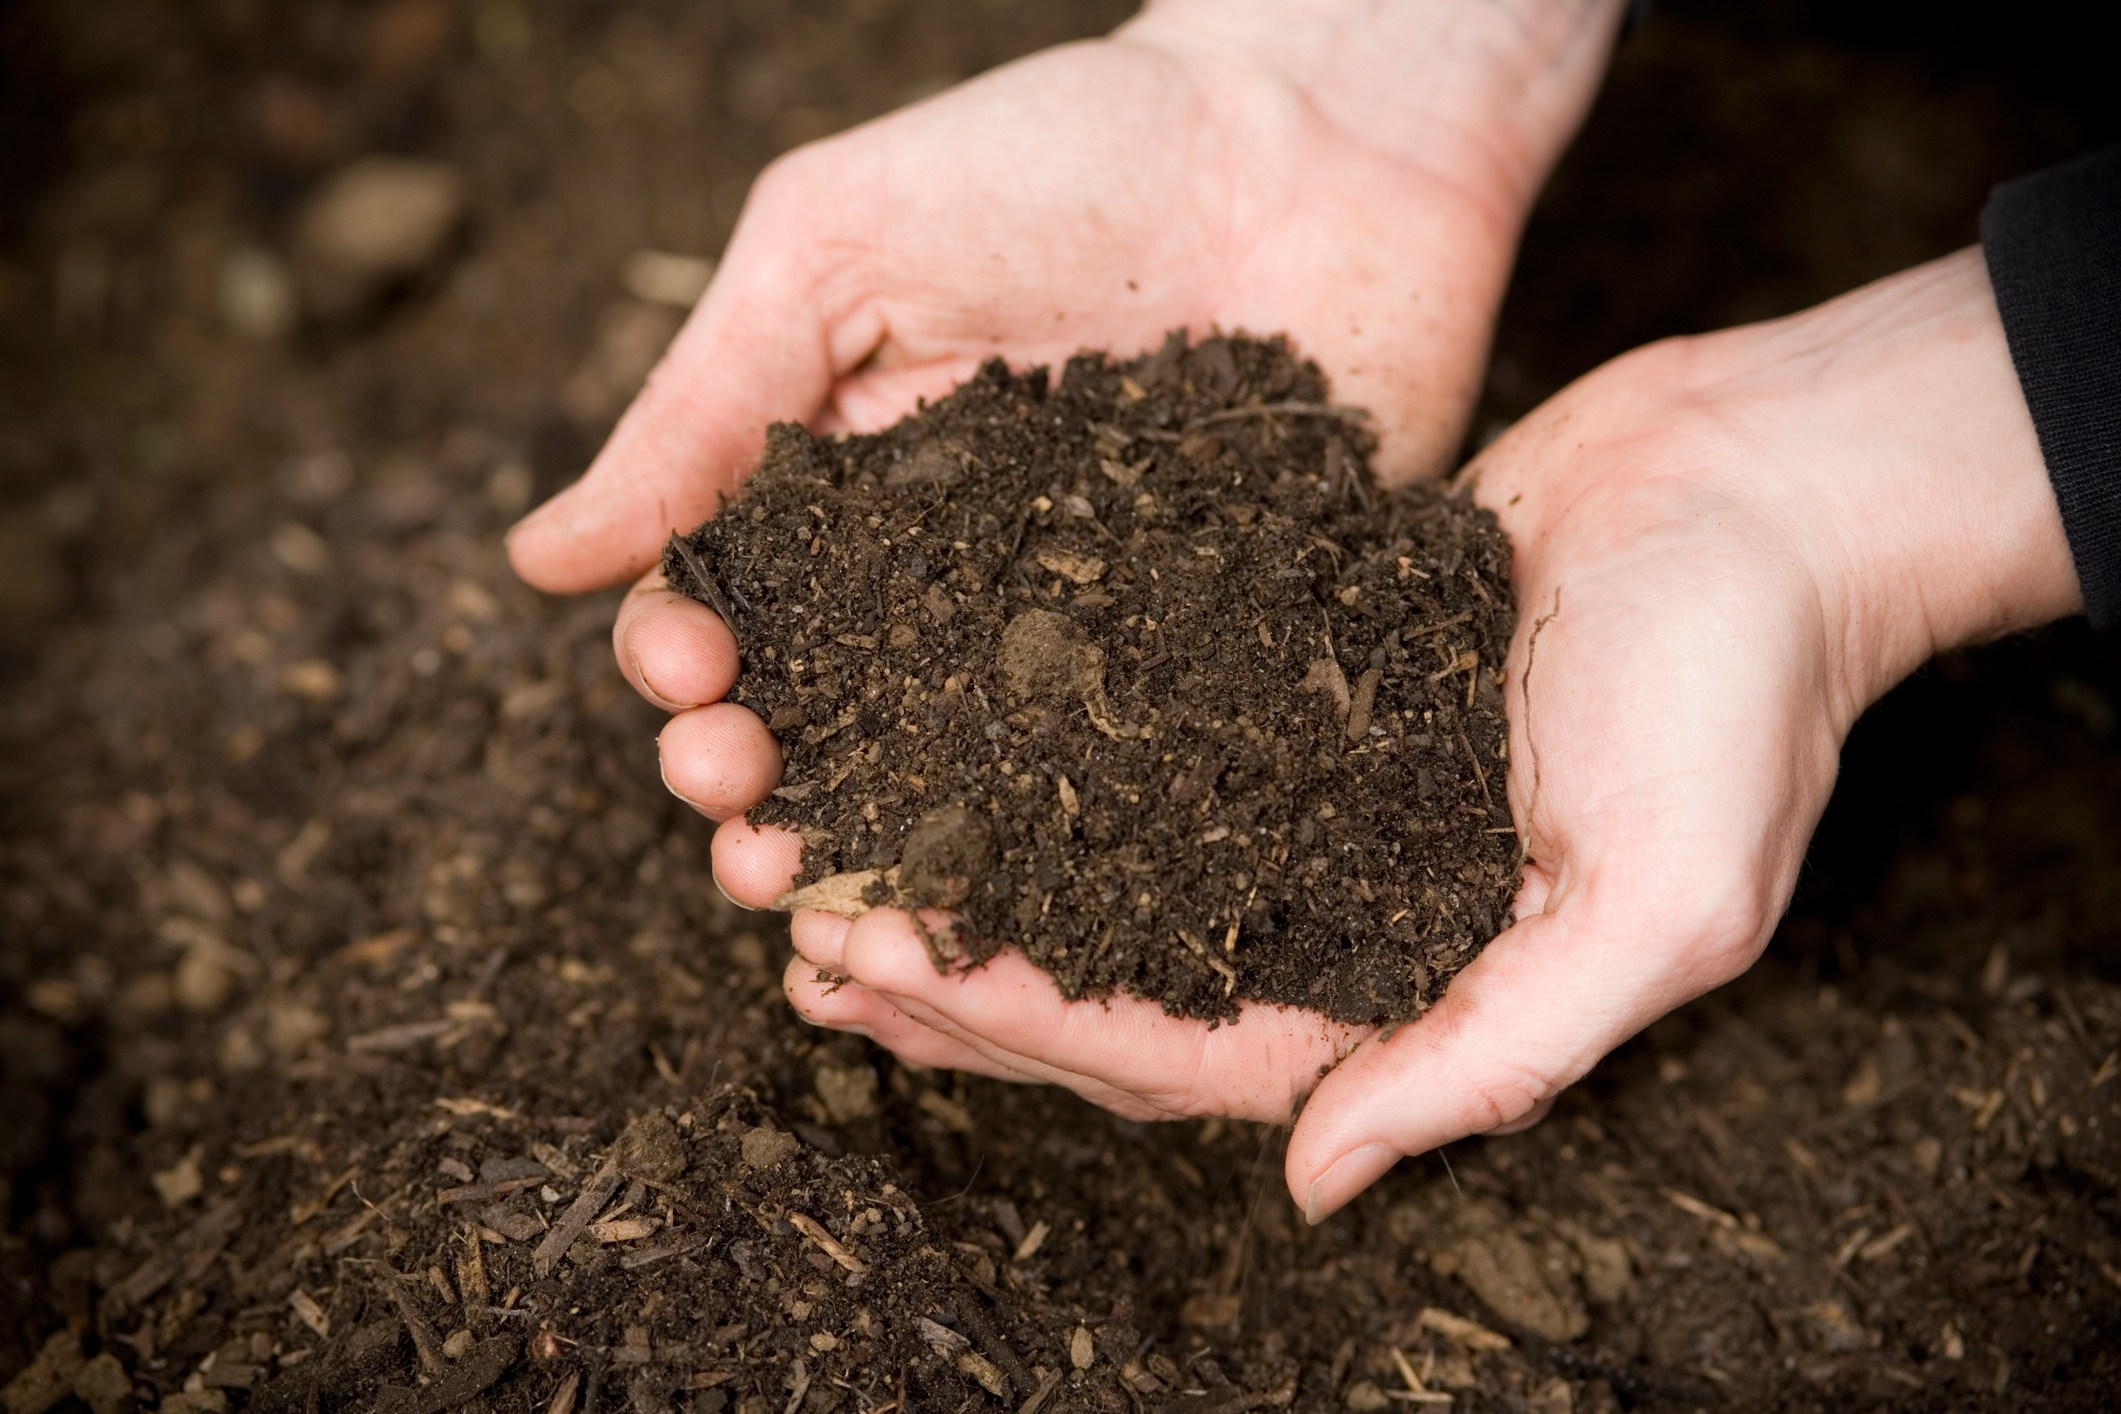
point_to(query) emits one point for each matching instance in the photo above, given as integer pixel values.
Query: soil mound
(1142, 674)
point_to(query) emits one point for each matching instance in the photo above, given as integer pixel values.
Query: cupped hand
(1726, 548)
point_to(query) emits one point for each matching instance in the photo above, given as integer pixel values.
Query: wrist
(1877, 449)
(1486, 95)
(1923, 454)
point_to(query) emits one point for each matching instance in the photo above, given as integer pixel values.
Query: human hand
(1355, 172)
(1726, 548)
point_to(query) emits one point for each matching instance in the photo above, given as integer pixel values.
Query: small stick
(709, 590)
(1479, 773)
(1345, 414)
(423, 1335)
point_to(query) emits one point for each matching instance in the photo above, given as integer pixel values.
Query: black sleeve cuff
(2053, 243)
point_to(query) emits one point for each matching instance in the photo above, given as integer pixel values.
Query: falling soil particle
(1094, 693)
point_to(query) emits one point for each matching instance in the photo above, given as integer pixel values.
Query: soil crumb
(1142, 674)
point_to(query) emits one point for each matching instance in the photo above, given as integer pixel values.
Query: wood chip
(587, 1204)
(471, 1272)
(563, 1397)
(1687, 1203)
(623, 1229)
(403, 1037)
(948, 1341)
(815, 1231)
(800, 1388)
(1470, 1334)
(950, 1112)
(988, 1373)
(1365, 700)
(309, 1312)
(485, 1192)
(1415, 1392)
(1048, 1381)
(1033, 1240)
(466, 1106)
(1878, 1247)
(47, 1379)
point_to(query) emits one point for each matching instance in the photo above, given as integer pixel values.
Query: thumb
(755, 351)
(1527, 1019)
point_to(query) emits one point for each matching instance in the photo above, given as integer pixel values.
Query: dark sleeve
(2053, 243)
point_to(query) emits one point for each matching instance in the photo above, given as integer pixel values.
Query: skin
(1736, 543)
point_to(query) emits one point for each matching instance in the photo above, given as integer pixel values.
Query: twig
(1280, 410)
(705, 583)
(423, 1334)
(1479, 772)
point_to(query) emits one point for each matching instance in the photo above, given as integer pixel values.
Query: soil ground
(353, 950)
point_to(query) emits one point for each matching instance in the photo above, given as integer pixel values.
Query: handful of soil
(1141, 674)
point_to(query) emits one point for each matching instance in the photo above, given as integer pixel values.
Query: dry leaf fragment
(840, 893)
(623, 1229)
(1076, 569)
(1325, 676)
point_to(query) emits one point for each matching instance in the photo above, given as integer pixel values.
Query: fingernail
(717, 873)
(660, 770)
(855, 1028)
(1350, 1174)
(648, 687)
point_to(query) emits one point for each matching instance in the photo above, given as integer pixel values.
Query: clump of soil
(1142, 674)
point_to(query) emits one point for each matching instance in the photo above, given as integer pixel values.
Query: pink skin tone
(1753, 534)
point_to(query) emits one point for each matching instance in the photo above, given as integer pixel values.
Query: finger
(1256, 1068)
(841, 1005)
(1528, 1018)
(720, 760)
(819, 936)
(754, 865)
(675, 651)
(758, 349)
(1530, 1118)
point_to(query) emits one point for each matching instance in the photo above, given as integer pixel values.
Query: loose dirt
(350, 949)
(1139, 672)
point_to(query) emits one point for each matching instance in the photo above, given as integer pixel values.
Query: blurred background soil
(335, 875)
